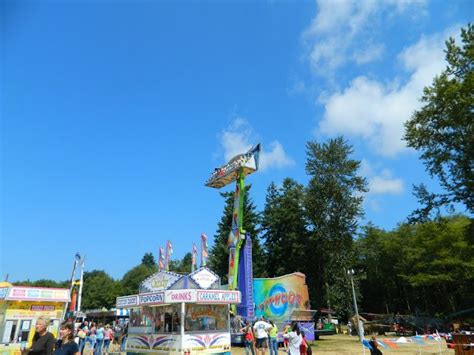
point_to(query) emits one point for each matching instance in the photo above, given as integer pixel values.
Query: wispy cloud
(239, 136)
(385, 185)
(374, 110)
(381, 183)
(343, 31)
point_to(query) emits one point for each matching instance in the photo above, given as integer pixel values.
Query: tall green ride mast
(236, 170)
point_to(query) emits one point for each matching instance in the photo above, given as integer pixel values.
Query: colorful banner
(169, 251)
(38, 294)
(277, 298)
(234, 235)
(204, 251)
(194, 254)
(161, 259)
(231, 266)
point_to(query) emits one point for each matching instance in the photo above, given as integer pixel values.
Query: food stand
(21, 306)
(180, 314)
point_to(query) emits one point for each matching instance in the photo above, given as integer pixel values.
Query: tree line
(425, 265)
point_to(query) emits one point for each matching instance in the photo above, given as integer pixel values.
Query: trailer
(180, 314)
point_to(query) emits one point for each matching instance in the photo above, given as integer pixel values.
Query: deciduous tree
(443, 130)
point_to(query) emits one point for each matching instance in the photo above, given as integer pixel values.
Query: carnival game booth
(180, 314)
(20, 306)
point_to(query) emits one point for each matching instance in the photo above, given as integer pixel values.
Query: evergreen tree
(284, 229)
(148, 260)
(333, 205)
(219, 252)
(182, 266)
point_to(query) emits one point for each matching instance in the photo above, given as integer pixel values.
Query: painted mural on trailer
(277, 298)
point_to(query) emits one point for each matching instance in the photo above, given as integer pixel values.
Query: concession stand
(180, 314)
(21, 306)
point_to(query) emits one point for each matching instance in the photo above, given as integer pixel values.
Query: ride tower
(240, 252)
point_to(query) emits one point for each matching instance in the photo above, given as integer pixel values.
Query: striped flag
(161, 259)
(194, 258)
(169, 251)
(204, 251)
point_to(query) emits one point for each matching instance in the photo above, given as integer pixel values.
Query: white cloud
(381, 181)
(343, 31)
(379, 185)
(368, 55)
(376, 111)
(239, 137)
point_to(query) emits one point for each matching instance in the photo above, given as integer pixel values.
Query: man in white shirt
(261, 328)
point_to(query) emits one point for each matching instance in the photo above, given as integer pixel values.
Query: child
(304, 345)
(286, 329)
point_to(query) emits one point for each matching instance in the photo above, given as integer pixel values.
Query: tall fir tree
(333, 205)
(284, 229)
(148, 260)
(219, 252)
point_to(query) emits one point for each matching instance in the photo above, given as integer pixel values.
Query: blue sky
(115, 113)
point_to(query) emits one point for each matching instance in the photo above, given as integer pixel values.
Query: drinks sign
(177, 296)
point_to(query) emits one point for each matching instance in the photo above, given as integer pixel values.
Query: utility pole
(81, 281)
(360, 328)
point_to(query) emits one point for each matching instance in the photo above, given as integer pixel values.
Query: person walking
(43, 341)
(66, 345)
(92, 338)
(304, 345)
(249, 338)
(108, 337)
(261, 328)
(82, 334)
(375, 347)
(294, 339)
(273, 337)
(286, 330)
(100, 334)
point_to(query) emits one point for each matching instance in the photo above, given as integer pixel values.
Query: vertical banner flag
(194, 258)
(161, 259)
(231, 265)
(204, 252)
(234, 235)
(169, 251)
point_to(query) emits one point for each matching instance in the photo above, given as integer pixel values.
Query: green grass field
(343, 344)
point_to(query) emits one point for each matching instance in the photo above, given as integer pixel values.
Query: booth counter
(20, 306)
(182, 317)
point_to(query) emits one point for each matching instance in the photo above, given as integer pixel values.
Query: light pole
(351, 273)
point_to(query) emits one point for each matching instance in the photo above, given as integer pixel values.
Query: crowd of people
(100, 336)
(263, 335)
(73, 339)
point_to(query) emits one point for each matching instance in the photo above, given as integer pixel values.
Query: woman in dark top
(43, 341)
(67, 345)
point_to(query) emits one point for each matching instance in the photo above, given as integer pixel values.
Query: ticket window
(24, 330)
(10, 330)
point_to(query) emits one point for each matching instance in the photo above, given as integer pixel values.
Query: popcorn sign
(152, 298)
